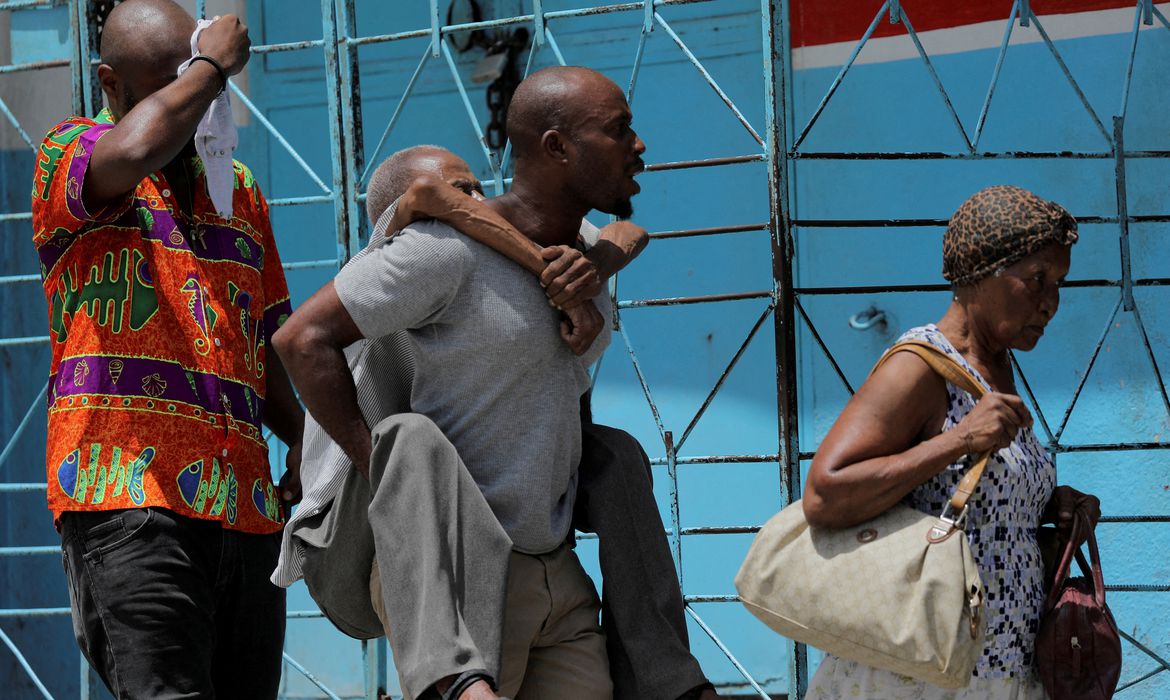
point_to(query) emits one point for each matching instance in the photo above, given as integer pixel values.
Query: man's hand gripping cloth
(215, 139)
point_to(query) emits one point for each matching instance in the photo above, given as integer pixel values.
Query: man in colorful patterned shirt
(160, 317)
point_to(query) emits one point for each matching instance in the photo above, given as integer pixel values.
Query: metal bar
(16, 279)
(20, 428)
(1143, 677)
(15, 613)
(29, 551)
(910, 223)
(436, 28)
(675, 522)
(12, 487)
(1145, 649)
(1003, 47)
(374, 656)
(681, 301)
(713, 231)
(426, 57)
(1088, 370)
(986, 155)
(1123, 214)
(727, 652)
(840, 76)
(24, 664)
(312, 679)
(1032, 397)
(352, 153)
(25, 4)
(272, 129)
(297, 201)
(1161, 17)
(1153, 359)
(338, 137)
(311, 264)
(934, 76)
(29, 340)
(537, 23)
(520, 19)
(287, 46)
(642, 381)
(1129, 71)
(16, 125)
(707, 76)
(704, 163)
(721, 459)
(552, 44)
(34, 65)
(17, 216)
(723, 376)
(87, 58)
(777, 103)
(1147, 8)
(824, 348)
(643, 37)
(487, 152)
(1113, 447)
(1068, 74)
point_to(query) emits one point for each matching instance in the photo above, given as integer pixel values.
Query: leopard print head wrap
(999, 226)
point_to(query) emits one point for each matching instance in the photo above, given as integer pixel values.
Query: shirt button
(225, 452)
(166, 193)
(218, 343)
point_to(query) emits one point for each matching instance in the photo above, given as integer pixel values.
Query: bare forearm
(858, 492)
(322, 375)
(431, 198)
(150, 135)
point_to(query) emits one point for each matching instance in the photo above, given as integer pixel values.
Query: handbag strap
(950, 370)
(1072, 550)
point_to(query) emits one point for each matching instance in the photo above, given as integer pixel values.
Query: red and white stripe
(825, 34)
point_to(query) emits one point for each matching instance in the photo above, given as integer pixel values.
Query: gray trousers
(443, 558)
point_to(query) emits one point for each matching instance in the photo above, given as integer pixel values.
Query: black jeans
(167, 607)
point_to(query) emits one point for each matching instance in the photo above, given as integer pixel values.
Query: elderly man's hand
(580, 328)
(570, 278)
(226, 40)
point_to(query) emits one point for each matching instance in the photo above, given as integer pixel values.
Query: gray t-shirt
(490, 368)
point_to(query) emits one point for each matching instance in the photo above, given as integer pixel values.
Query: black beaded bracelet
(218, 68)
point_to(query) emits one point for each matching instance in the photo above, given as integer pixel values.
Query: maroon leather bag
(1078, 649)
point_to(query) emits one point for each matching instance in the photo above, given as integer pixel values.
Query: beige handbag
(900, 592)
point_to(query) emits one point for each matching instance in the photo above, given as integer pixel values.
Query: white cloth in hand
(215, 140)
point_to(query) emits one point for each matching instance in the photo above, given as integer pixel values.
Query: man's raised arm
(149, 134)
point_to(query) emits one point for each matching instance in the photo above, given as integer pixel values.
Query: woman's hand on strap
(994, 422)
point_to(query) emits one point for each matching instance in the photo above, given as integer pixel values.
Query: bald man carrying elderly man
(164, 287)
(449, 425)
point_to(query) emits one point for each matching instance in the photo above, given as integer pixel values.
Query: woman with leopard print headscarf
(908, 436)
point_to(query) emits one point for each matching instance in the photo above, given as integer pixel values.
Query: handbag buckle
(947, 525)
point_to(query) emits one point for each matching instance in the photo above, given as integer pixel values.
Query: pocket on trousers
(107, 536)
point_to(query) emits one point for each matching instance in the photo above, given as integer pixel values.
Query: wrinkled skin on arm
(570, 278)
